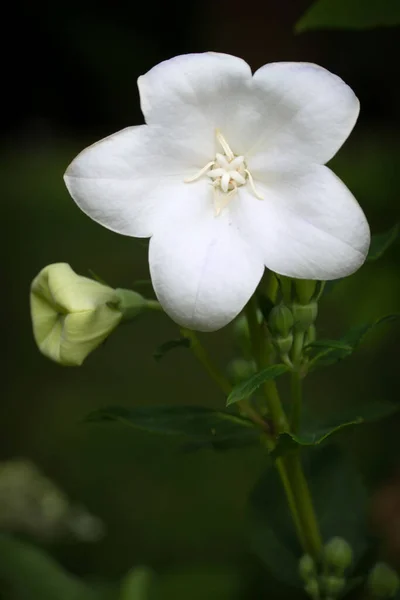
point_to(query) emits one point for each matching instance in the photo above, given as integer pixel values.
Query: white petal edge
(193, 94)
(203, 271)
(307, 114)
(128, 181)
(309, 225)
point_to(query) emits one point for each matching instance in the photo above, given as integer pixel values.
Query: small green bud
(305, 290)
(240, 369)
(304, 315)
(338, 554)
(71, 315)
(312, 589)
(283, 344)
(280, 321)
(383, 581)
(307, 569)
(241, 332)
(332, 585)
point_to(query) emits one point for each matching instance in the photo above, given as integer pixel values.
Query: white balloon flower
(227, 177)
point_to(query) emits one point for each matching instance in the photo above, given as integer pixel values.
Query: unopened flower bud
(283, 344)
(240, 369)
(338, 554)
(304, 315)
(280, 321)
(241, 332)
(307, 568)
(312, 589)
(332, 585)
(71, 315)
(305, 290)
(383, 581)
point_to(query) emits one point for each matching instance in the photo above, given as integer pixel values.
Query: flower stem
(296, 391)
(312, 542)
(289, 466)
(204, 358)
(258, 342)
(154, 305)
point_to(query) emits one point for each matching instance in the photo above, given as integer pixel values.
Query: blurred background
(70, 72)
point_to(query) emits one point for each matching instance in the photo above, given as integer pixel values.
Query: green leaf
(340, 501)
(313, 434)
(350, 14)
(382, 241)
(166, 347)
(335, 350)
(246, 388)
(196, 423)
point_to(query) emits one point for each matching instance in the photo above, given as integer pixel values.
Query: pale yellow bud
(71, 315)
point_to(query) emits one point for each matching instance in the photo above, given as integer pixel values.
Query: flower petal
(203, 271)
(128, 181)
(308, 226)
(307, 114)
(194, 94)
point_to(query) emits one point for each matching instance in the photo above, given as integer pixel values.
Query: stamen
(200, 173)
(249, 175)
(224, 145)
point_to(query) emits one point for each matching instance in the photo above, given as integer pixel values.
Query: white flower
(227, 178)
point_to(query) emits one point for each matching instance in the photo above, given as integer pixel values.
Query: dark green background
(72, 72)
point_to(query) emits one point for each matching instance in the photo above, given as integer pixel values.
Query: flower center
(228, 172)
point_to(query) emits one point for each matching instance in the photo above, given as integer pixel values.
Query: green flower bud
(71, 315)
(332, 585)
(241, 332)
(240, 369)
(305, 290)
(280, 321)
(283, 344)
(304, 315)
(312, 589)
(307, 568)
(338, 554)
(383, 581)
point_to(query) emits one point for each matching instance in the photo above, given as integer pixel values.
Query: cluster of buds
(326, 578)
(72, 315)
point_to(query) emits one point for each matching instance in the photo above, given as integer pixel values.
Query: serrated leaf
(382, 241)
(313, 434)
(246, 388)
(198, 424)
(335, 350)
(339, 499)
(166, 347)
(350, 14)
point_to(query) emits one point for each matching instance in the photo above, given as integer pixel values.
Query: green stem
(296, 406)
(258, 342)
(312, 541)
(297, 348)
(289, 467)
(202, 356)
(154, 305)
